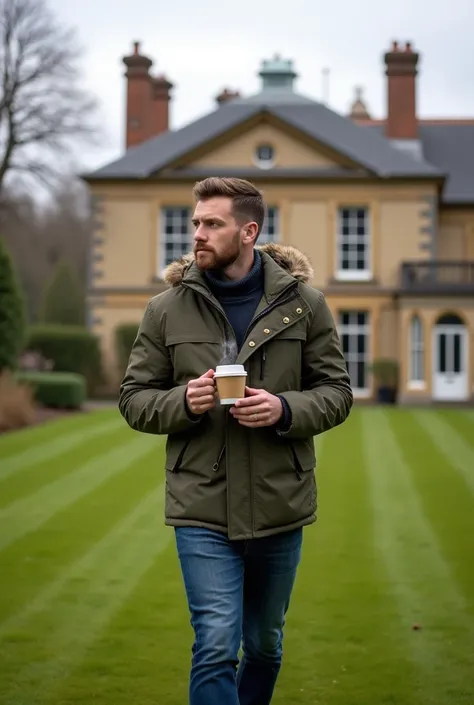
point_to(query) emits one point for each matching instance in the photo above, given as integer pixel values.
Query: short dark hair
(247, 200)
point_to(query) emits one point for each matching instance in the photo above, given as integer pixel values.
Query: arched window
(450, 319)
(416, 352)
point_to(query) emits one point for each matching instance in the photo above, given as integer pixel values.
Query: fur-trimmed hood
(287, 257)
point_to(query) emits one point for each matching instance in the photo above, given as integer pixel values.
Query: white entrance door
(450, 382)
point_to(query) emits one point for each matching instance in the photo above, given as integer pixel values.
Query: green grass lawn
(92, 608)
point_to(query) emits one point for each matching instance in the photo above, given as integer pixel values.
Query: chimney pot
(227, 95)
(136, 48)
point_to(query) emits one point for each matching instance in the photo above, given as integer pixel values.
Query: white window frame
(162, 235)
(353, 356)
(273, 214)
(416, 354)
(353, 274)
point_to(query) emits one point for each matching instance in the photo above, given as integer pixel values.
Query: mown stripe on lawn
(421, 578)
(451, 445)
(52, 634)
(37, 558)
(15, 441)
(343, 622)
(64, 442)
(21, 484)
(28, 514)
(447, 502)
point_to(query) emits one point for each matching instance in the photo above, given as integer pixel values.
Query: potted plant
(385, 373)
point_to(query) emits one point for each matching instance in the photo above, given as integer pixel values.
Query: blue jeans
(238, 593)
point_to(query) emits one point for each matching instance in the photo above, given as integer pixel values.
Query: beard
(209, 259)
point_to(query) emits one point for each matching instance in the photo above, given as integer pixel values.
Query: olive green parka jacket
(244, 482)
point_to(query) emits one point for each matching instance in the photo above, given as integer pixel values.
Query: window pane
(271, 226)
(360, 381)
(442, 353)
(457, 353)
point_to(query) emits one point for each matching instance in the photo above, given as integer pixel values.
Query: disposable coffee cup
(230, 381)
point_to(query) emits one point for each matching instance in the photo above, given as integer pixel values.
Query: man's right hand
(201, 393)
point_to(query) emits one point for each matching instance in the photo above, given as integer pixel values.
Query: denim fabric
(238, 594)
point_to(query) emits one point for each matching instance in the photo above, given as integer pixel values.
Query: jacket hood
(287, 257)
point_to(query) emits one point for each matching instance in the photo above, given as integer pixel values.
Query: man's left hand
(258, 409)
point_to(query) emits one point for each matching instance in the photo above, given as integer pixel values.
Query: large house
(384, 209)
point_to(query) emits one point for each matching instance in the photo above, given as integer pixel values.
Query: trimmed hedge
(125, 335)
(71, 348)
(58, 390)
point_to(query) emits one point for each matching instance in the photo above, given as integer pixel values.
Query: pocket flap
(293, 333)
(198, 337)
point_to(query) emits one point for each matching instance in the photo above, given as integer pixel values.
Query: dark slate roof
(274, 97)
(369, 149)
(365, 147)
(144, 160)
(451, 147)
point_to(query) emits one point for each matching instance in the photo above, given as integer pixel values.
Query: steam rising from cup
(229, 352)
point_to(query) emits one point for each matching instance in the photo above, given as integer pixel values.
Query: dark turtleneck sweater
(239, 299)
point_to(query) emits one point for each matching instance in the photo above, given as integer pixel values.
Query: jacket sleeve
(326, 397)
(148, 400)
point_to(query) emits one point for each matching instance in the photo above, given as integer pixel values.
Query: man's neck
(240, 268)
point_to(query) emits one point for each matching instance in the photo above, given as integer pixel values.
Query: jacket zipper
(215, 467)
(263, 359)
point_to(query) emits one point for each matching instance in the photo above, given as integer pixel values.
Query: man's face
(217, 237)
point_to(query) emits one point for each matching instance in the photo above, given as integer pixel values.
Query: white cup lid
(230, 371)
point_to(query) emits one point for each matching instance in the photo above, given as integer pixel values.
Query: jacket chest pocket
(192, 354)
(280, 364)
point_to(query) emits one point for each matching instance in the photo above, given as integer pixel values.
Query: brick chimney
(226, 95)
(159, 116)
(401, 70)
(147, 110)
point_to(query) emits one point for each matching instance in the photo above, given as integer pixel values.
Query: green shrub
(12, 313)
(63, 298)
(59, 390)
(125, 335)
(71, 348)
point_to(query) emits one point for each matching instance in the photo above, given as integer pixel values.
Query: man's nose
(200, 234)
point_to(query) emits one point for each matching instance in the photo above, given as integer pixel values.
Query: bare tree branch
(44, 111)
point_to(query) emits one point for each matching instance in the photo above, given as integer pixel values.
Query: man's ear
(251, 231)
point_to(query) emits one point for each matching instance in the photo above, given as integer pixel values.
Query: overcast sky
(204, 46)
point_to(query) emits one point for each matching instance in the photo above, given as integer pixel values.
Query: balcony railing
(438, 277)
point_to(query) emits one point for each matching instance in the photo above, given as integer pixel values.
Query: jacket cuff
(195, 418)
(284, 424)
